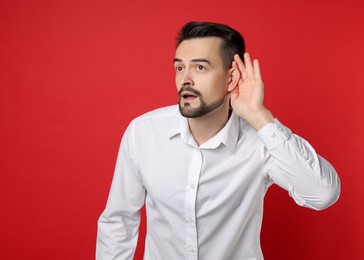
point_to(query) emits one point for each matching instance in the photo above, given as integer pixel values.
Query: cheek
(217, 86)
(177, 82)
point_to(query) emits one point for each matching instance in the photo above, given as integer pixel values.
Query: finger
(248, 66)
(257, 74)
(241, 66)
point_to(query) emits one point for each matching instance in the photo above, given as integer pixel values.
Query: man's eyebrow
(194, 60)
(201, 60)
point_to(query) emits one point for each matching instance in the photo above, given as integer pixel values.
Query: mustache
(192, 90)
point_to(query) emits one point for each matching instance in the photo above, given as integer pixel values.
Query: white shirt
(205, 202)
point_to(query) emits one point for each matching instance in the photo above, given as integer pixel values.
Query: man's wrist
(261, 119)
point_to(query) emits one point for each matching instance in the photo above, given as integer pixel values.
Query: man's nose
(186, 79)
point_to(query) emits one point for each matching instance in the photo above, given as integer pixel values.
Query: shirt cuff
(274, 134)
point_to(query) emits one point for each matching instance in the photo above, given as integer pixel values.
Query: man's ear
(234, 76)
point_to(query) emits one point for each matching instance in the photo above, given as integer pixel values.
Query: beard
(193, 112)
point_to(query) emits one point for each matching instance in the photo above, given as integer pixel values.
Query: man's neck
(205, 127)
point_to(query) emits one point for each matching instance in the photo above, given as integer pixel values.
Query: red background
(74, 73)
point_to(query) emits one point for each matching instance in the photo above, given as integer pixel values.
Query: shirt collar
(228, 135)
(180, 126)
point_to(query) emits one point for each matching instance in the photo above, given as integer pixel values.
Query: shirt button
(189, 220)
(191, 250)
(192, 186)
(273, 135)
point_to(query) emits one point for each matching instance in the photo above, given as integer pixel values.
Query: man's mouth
(187, 96)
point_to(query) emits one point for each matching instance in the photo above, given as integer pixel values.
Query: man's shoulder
(159, 118)
(159, 113)
(156, 122)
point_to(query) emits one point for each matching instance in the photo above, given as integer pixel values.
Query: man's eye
(179, 68)
(200, 67)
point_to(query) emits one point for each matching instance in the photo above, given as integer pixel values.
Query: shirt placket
(190, 205)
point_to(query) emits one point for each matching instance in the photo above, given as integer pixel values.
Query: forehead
(197, 48)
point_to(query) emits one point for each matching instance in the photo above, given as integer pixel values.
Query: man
(203, 167)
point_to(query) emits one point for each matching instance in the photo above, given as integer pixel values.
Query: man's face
(201, 78)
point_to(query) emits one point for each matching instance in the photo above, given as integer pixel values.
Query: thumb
(234, 94)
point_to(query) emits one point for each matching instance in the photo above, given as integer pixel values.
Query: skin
(247, 99)
(202, 80)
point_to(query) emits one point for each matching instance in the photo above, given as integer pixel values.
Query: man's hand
(248, 96)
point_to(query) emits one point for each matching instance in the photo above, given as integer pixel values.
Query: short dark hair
(232, 41)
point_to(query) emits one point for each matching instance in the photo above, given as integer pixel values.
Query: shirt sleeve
(118, 225)
(295, 166)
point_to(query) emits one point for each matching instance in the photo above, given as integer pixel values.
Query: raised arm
(294, 164)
